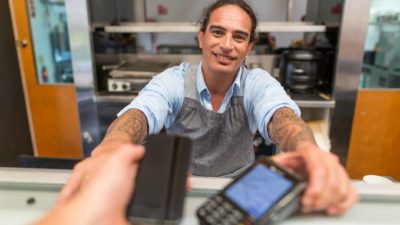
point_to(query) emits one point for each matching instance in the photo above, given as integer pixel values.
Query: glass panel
(381, 66)
(51, 48)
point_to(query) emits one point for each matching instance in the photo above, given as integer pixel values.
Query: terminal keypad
(219, 211)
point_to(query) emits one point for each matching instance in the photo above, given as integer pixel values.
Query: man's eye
(239, 38)
(217, 32)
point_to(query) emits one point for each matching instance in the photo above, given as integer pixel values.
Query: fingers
(188, 183)
(313, 167)
(309, 166)
(340, 187)
(133, 153)
(350, 200)
(315, 189)
(329, 187)
(72, 186)
(323, 183)
(95, 152)
(97, 167)
(347, 197)
(291, 160)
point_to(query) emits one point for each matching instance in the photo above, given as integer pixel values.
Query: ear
(200, 36)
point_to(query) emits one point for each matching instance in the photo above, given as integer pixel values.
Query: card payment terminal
(264, 193)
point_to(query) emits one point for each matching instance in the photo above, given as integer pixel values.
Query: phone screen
(258, 190)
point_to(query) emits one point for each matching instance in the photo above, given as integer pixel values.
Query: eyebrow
(246, 34)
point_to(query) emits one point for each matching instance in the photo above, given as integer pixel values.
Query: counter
(26, 194)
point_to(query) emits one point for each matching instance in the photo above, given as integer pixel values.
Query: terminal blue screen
(258, 190)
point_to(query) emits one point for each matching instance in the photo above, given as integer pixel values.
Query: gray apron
(222, 142)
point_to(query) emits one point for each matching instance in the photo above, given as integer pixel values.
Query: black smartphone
(161, 181)
(264, 193)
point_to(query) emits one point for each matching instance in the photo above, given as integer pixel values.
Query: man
(220, 104)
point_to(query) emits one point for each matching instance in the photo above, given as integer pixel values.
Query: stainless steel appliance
(300, 70)
(132, 77)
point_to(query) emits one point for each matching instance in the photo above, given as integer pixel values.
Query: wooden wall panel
(52, 109)
(375, 140)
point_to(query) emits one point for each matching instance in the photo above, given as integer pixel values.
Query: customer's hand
(99, 189)
(110, 143)
(329, 187)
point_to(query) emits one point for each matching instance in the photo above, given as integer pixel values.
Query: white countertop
(380, 203)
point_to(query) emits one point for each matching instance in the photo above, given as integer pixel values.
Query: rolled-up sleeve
(160, 99)
(263, 97)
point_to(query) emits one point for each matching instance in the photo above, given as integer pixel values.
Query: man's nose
(227, 43)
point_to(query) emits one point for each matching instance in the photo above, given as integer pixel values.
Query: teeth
(223, 56)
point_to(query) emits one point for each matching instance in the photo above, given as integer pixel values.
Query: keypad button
(274, 217)
(212, 203)
(218, 199)
(209, 208)
(210, 219)
(232, 219)
(237, 214)
(226, 222)
(202, 212)
(227, 206)
(222, 210)
(216, 214)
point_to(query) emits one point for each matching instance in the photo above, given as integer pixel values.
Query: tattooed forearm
(287, 130)
(133, 123)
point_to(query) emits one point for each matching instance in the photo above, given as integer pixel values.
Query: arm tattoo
(133, 123)
(287, 130)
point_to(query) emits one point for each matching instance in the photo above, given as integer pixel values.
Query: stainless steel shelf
(187, 27)
(300, 103)
(289, 27)
(316, 103)
(115, 98)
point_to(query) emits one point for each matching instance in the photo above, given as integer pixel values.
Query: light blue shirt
(161, 99)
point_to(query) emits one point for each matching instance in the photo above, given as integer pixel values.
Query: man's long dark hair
(240, 3)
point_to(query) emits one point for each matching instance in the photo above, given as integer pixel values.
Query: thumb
(291, 160)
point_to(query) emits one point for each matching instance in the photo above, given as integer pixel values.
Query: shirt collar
(202, 87)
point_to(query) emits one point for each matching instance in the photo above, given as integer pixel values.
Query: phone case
(161, 181)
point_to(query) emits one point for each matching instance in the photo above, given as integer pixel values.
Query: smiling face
(225, 42)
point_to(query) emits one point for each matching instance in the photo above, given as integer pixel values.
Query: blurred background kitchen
(68, 66)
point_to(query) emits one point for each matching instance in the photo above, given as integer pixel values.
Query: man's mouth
(225, 57)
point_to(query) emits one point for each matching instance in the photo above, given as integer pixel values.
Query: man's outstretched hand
(329, 187)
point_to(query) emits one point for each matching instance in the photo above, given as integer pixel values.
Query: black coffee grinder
(300, 70)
